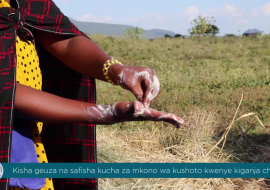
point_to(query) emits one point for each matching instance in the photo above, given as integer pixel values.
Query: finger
(137, 91)
(170, 118)
(147, 90)
(142, 113)
(152, 91)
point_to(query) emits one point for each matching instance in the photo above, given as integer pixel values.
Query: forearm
(40, 106)
(79, 53)
(34, 105)
(85, 57)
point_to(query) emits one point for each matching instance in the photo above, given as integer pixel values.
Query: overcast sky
(174, 15)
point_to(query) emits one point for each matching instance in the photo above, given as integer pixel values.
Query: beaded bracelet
(106, 66)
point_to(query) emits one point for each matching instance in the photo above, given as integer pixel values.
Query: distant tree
(178, 36)
(230, 35)
(135, 33)
(212, 30)
(175, 36)
(167, 36)
(203, 27)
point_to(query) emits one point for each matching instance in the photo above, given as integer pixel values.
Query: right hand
(141, 81)
(135, 111)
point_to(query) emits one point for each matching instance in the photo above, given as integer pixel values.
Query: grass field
(202, 81)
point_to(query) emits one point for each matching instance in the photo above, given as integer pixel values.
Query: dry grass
(168, 145)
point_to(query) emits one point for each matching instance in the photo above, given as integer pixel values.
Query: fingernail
(182, 122)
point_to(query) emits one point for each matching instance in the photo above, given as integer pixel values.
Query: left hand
(135, 111)
(141, 81)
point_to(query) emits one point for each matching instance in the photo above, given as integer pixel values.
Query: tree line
(201, 27)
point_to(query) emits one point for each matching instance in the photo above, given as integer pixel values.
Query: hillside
(116, 29)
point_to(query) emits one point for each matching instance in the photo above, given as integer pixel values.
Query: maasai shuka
(74, 142)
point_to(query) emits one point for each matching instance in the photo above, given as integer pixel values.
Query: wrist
(114, 71)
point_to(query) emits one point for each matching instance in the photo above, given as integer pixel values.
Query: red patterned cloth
(63, 143)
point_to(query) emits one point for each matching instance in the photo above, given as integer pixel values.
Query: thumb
(138, 92)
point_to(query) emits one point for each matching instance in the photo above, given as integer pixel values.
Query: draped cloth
(73, 142)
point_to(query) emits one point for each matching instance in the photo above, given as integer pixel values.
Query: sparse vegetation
(202, 81)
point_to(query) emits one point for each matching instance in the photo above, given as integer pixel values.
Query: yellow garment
(28, 73)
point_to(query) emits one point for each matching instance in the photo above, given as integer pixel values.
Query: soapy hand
(135, 111)
(124, 111)
(144, 84)
(141, 81)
